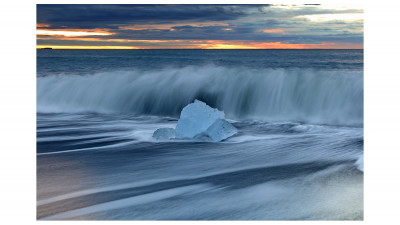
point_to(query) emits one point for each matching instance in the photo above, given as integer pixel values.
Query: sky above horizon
(191, 26)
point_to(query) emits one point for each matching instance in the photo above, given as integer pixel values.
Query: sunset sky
(199, 26)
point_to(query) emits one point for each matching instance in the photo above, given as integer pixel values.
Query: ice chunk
(200, 121)
(196, 118)
(220, 130)
(164, 133)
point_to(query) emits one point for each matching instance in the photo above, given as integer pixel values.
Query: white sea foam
(127, 202)
(329, 97)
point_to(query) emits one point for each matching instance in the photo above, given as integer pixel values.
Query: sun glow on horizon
(216, 44)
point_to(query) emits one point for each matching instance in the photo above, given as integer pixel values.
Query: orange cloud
(272, 31)
(77, 38)
(72, 33)
(85, 47)
(278, 30)
(40, 25)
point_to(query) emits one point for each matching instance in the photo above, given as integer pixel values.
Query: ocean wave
(302, 95)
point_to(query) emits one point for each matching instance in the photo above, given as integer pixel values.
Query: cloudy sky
(199, 26)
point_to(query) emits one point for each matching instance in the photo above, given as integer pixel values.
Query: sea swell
(301, 95)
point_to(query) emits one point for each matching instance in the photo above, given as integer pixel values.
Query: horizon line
(50, 48)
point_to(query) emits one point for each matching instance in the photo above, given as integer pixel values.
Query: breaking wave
(303, 95)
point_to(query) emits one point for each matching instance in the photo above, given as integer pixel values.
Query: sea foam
(300, 95)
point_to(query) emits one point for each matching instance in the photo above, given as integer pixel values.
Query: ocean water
(297, 154)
